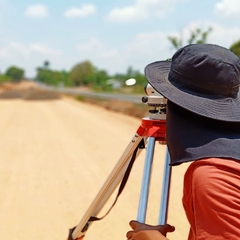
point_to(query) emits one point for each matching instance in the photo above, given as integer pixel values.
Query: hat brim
(224, 109)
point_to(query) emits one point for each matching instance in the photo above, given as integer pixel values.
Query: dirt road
(55, 155)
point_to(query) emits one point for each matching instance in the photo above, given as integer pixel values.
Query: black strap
(141, 145)
(124, 181)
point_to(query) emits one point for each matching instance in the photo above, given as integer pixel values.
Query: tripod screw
(145, 99)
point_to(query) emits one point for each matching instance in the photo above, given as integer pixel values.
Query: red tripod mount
(153, 128)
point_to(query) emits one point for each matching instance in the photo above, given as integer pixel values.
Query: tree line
(86, 74)
(82, 74)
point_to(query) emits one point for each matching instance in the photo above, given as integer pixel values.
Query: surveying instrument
(152, 129)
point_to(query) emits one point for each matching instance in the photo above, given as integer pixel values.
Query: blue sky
(113, 35)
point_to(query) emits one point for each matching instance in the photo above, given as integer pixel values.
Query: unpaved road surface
(56, 154)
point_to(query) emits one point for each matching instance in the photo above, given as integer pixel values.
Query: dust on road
(56, 154)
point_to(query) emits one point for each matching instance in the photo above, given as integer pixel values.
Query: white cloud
(228, 8)
(45, 49)
(127, 14)
(98, 54)
(37, 10)
(148, 47)
(20, 48)
(143, 49)
(83, 11)
(217, 36)
(4, 52)
(142, 9)
(29, 56)
(14, 48)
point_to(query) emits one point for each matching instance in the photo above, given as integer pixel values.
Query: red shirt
(212, 199)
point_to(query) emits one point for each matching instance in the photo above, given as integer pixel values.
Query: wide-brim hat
(202, 78)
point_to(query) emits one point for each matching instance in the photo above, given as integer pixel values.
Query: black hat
(202, 78)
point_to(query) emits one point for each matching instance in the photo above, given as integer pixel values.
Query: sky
(112, 35)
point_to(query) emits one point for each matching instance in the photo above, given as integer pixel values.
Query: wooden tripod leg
(107, 189)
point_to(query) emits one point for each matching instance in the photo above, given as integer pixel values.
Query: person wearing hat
(201, 83)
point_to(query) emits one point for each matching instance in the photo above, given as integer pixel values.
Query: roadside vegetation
(85, 74)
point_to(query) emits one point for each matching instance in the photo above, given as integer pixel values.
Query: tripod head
(155, 100)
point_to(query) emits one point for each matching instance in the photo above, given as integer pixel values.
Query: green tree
(235, 48)
(4, 78)
(46, 64)
(15, 73)
(82, 74)
(55, 78)
(100, 78)
(197, 36)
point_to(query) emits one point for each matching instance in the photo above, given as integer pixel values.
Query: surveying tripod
(152, 129)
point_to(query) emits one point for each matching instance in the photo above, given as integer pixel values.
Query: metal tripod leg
(143, 201)
(165, 191)
(142, 209)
